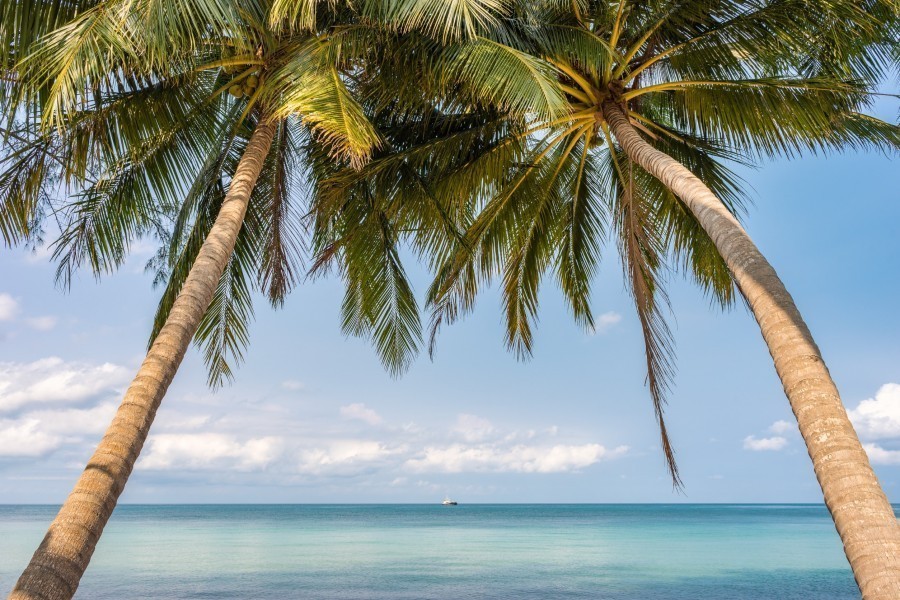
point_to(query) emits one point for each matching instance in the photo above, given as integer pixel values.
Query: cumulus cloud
(292, 385)
(879, 417)
(75, 421)
(761, 444)
(459, 458)
(208, 437)
(201, 451)
(358, 411)
(880, 456)
(9, 308)
(55, 381)
(473, 428)
(23, 438)
(780, 427)
(38, 432)
(604, 322)
(346, 456)
(45, 323)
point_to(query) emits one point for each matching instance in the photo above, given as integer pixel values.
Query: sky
(313, 417)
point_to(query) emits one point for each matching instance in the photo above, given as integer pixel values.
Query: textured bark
(862, 514)
(58, 564)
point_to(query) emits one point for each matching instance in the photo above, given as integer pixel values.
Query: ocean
(425, 552)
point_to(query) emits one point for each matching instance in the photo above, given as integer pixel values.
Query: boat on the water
(448, 502)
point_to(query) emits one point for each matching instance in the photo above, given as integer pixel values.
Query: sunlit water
(530, 552)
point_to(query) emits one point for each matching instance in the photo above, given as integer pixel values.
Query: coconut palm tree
(142, 113)
(655, 96)
(190, 121)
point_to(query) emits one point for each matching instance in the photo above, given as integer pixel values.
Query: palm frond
(283, 235)
(446, 20)
(30, 172)
(496, 74)
(224, 330)
(379, 303)
(641, 251)
(318, 93)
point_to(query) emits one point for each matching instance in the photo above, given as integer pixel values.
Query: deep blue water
(425, 552)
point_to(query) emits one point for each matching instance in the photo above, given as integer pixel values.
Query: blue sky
(312, 417)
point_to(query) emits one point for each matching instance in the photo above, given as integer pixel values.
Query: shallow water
(496, 552)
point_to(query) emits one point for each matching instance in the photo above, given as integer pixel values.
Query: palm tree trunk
(58, 564)
(862, 514)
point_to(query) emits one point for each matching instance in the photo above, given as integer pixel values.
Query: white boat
(448, 502)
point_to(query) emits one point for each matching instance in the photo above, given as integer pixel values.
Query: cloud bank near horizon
(53, 409)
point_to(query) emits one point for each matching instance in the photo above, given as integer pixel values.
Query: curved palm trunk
(58, 564)
(861, 512)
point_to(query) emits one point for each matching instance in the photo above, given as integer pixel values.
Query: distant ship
(448, 502)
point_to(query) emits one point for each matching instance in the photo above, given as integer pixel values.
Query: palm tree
(108, 62)
(644, 102)
(186, 121)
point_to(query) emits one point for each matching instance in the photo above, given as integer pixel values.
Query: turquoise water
(424, 552)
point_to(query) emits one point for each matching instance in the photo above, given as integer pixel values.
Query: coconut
(253, 81)
(236, 91)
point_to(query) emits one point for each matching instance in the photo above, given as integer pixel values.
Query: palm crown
(143, 115)
(707, 83)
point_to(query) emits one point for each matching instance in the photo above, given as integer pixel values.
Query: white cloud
(879, 417)
(8, 307)
(781, 427)
(880, 456)
(473, 428)
(604, 322)
(53, 380)
(292, 385)
(23, 438)
(202, 451)
(75, 421)
(212, 436)
(45, 323)
(761, 444)
(38, 432)
(459, 458)
(359, 412)
(346, 456)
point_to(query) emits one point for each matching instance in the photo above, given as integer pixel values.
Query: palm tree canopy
(708, 83)
(139, 114)
(496, 162)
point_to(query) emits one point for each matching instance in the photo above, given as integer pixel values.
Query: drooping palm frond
(30, 172)
(283, 234)
(135, 191)
(379, 303)
(584, 223)
(641, 248)
(224, 331)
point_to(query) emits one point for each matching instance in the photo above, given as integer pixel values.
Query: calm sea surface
(530, 552)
